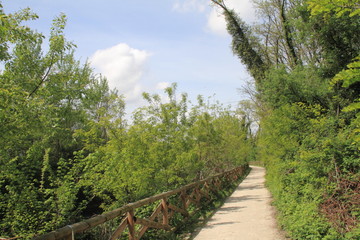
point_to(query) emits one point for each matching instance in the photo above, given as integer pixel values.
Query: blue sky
(142, 45)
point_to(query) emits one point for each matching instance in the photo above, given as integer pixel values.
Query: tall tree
(45, 99)
(243, 44)
(308, 136)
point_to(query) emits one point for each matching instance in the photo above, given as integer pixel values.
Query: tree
(309, 121)
(243, 44)
(46, 98)
(340, 7)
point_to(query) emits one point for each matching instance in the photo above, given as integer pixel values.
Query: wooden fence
(190, 195)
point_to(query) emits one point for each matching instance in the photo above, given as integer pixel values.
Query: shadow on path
(245, 215)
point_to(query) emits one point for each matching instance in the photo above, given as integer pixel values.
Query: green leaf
(352, 107)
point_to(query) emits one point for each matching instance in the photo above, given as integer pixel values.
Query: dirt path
(246, 214)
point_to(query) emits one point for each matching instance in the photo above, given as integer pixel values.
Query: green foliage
(243, 47)
(243, 44)
(166, 146)
(67, 152)
(340, 7)
(308, 103)
(303, 84)
(350, 75)
(301, 148)
(45, 99)
(338, 39)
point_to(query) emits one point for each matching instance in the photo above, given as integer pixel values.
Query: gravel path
(246, 214)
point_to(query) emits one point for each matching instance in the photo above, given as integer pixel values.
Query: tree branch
(43, 79)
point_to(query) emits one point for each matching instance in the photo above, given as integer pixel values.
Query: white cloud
(124, 67)
(216, 22)
(190, 5)
(163, 85)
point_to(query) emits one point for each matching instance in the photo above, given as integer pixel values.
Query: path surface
(246, 214)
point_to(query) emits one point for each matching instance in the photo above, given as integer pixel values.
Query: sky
(144, 46)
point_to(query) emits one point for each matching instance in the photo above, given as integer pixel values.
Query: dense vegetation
(305, 59)
(67, 151)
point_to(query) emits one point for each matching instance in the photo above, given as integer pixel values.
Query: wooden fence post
(165, 211)
(131, 225)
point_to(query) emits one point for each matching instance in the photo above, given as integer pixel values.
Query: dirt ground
(246, 214)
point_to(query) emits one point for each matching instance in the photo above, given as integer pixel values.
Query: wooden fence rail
(191, 194)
